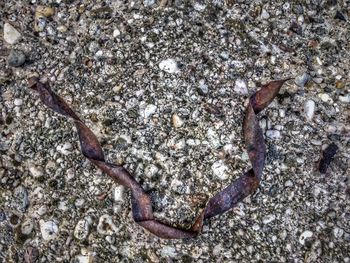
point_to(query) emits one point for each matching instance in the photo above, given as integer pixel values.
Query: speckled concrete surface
(163, 84)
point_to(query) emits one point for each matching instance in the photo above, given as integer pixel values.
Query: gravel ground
(164, 84)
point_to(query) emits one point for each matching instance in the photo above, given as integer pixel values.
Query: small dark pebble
(104, 12)
(331, 3)
(203, 90)
(327, 158)
(213, 109)
(2, 216)
(121, 144)
(321, 30)
(334, 137)
(16, 58)
(339, 15)
(20, 199)
(273, 190)
(14, 219)
(274, 154)
(159, 200)
(295, 28)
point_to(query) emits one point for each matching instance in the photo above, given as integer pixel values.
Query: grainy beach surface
(164, 85)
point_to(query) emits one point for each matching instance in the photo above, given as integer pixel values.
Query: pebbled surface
(165, 89)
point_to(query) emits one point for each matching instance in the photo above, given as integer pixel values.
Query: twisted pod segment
(142, 212)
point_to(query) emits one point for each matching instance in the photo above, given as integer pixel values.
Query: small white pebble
(273, 134)
(151, 170)
(316, 142)
(119, 193)
(286, 6)
(220, 170)
(148, 2)
(110, 239)
(84, 258)
(345, 99)
(263, 124)
(81, 229)
(282, 113)
(338, 232)
(70, 174)
(62, 28)
(241, 87)
(203, 86)
(169, 65)
(168, 251)
(11, 35)
(325, 97)
(305, 235)
(99, 54)
(116, 32)
(265, 14)
(18, 102)
(79, 202)
(148, 111)
(48, 229)
(317, 80)
(245, 156)
(213, 138)
(217, 250)
(268, 219)
(288, 183)
(301, 19)
(199, 6)
(279, 127)
(64, 148)
(309, 109)
(63, 205)
(256, 227)
(117, 88)
(36, 171)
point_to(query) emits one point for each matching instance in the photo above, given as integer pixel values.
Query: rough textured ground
(163, 85)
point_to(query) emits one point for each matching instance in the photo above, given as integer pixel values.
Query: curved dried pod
(142, 211)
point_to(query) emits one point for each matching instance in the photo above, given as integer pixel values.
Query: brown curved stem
(142, 211)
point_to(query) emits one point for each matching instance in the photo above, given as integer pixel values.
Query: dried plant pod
(142, 211)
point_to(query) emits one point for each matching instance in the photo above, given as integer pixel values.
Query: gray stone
(265, 14)
(16, 58)
(20, 199)
(203, 87)
(27, 227)
(302, 80)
